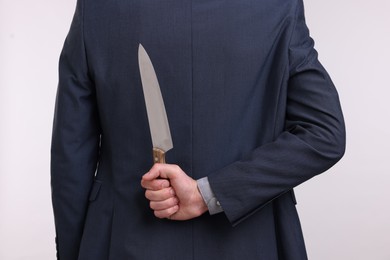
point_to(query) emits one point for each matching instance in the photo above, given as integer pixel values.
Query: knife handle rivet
(158, 155)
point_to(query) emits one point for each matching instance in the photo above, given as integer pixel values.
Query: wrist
(202, 206)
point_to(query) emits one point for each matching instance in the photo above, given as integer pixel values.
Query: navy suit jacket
(249, 106)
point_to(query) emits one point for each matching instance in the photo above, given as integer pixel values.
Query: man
(252, 114)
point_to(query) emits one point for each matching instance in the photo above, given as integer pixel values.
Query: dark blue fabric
(249, 106)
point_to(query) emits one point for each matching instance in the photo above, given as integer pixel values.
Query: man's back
(248, 104)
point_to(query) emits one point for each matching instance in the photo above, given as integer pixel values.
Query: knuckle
(177, 167)
(171, 192)
(145, 184)
(156, 185)
(156, 167)
(147, 194)
(167, 193)
(172, 202)
(158, 214)
(171, 210)
(163, 184)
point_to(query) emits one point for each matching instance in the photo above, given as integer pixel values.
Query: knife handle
(158, 155)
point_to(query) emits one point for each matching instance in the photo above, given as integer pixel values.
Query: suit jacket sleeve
(75, 141)
(313, 139)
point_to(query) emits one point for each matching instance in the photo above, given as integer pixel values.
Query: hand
(181, 200)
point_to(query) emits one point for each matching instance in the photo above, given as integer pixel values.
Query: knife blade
(155, 108)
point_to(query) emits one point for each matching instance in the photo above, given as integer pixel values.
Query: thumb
(169, 171)
(152, 174)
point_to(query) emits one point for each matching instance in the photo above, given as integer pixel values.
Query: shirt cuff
(208, 196)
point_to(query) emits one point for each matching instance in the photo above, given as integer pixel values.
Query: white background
(345, 213)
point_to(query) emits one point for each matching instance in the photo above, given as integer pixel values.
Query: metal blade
(157, 116)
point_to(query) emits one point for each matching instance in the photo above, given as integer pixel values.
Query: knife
(157, 116)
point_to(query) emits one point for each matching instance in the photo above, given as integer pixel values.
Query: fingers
(166, 213)
(161, 184)
(165, 171)
(159, 195)
(163, 202)
(152, 174)
(163, 205)
(151, 180)
(155, 184)
(161, 199)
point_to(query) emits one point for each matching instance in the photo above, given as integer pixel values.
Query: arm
(313, 140)
(75, 141)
